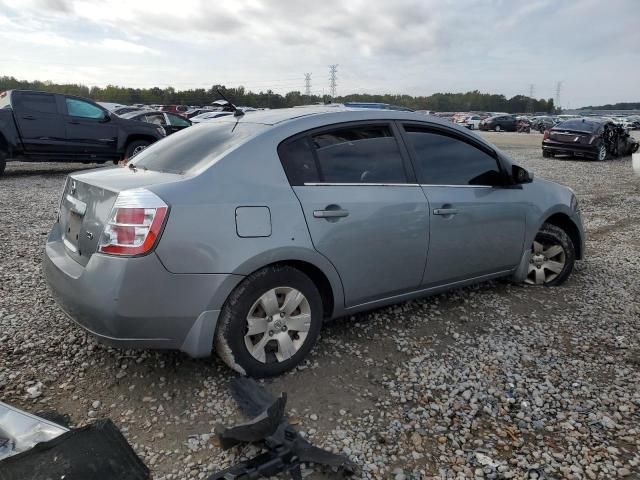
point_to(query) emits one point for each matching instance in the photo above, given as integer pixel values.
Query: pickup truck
(43, 127)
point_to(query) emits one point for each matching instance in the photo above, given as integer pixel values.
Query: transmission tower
(307, 84)
(558, 90)
(333, 79)
(530, 102)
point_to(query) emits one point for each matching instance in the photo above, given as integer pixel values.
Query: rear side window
(195, 147)
(37, 102)
(298, 161)
(366, 154)
(445, 160)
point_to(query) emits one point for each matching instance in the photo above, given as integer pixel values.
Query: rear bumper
(587, 151)
(136, 302)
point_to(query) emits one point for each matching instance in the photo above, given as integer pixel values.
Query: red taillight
(134, 224)
(546, 134)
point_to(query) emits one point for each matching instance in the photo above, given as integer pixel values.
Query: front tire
(3, 163)
(602, 152)
(270, 322)
(498, 128)
(134, 148)
(552, 257)
(546, 154)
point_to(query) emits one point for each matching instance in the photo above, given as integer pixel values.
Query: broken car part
(269, 428)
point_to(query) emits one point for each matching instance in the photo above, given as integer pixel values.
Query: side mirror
(520, 175)
(107, 117)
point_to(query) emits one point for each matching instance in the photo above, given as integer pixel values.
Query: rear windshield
(195, 147)
(581, 125)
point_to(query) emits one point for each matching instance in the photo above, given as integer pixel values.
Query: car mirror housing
(106, 118)
(521, 175)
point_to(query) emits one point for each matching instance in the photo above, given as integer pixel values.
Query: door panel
(375, 235)
(483, 234)
(40, 123)
(87, 131)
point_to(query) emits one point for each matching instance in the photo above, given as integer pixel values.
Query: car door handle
(445, 211)
(29, 117)
(330, 213)
(73, 122)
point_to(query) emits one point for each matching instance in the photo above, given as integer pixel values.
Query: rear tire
(3, 162)
(552, 257)
(281, 339)
(134, 148)
(498, 128)
(546, 154)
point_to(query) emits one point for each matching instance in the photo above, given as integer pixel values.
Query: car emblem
(72, 189)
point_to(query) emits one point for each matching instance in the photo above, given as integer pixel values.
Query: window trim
(411, 179)
(448, 132)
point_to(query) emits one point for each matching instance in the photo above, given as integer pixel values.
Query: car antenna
(236, 111)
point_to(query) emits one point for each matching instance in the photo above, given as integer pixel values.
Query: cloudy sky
(382, 46)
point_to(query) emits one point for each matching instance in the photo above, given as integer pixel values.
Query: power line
(307, 84)
(530, 102)
(333, 79)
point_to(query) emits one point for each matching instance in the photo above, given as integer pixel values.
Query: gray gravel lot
(495, 381)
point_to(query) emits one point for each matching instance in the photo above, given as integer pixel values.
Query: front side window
(82, 109)
(446, 160)
(363, 154)
(37, 102)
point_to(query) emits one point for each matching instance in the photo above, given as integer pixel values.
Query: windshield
(195, 147)
(581, 125)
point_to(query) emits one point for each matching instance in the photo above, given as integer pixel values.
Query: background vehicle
(122, 110)
(523, 125)
(169, 121)
(253, 230)
(588, 137)
(179, 109)
(542, 123)
(208, 116)
(472, 122)
(498, 123)
(40, 126)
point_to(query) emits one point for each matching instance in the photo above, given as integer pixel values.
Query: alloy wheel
(546, 263)
(602, 152)
(277, 325)
(137, 150)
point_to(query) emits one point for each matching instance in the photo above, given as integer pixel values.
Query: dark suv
(42, 126)
(498, 123)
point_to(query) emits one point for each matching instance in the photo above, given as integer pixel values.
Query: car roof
(331, 115)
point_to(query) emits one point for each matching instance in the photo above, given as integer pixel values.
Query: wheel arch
(321, 272)
(564, 221)
(136, 136)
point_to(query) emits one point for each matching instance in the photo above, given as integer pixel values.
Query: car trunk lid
(570, 136)
(87, 201)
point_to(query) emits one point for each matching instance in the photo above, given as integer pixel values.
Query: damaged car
(592, 138)
(245, 235)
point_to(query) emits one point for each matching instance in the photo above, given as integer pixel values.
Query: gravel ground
(495, 381)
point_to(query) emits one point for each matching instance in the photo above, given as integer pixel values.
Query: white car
(472, 122)
(209, 116)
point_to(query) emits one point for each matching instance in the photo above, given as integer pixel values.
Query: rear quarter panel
(200, 235)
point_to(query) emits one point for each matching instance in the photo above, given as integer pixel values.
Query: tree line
(440, 102)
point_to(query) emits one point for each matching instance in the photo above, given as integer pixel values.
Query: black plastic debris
(95, 452)
(269, 428)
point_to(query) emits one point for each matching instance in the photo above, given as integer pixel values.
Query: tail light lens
(546, 134)
(134, 224)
